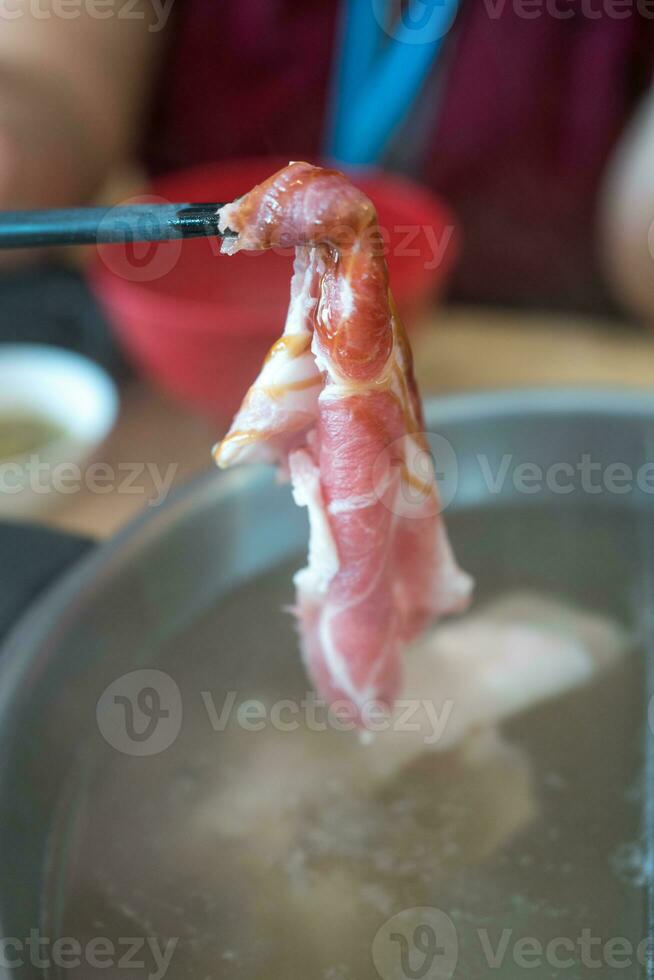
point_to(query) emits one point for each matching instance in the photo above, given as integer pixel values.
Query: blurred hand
(627, 215)
(45, 159)
(72, 97)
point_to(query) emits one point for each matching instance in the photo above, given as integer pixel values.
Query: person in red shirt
(534, 122)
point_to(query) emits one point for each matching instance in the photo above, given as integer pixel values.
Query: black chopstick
(129, 223)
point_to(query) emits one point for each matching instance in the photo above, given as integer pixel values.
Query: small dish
(56, 407)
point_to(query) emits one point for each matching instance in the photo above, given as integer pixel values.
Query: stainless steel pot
(111, 829)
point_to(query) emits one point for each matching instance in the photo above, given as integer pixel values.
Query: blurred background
(507, 144)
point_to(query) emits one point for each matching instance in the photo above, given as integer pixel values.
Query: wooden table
(457, 349)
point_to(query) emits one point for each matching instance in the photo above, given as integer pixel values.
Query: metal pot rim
(61, 600)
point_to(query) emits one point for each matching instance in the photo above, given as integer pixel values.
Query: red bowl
(199, 326)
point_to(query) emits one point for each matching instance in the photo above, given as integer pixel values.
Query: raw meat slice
(336, 407)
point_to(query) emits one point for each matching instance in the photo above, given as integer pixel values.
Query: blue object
(379, 70)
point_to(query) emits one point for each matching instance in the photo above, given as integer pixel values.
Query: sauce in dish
(23, 433)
